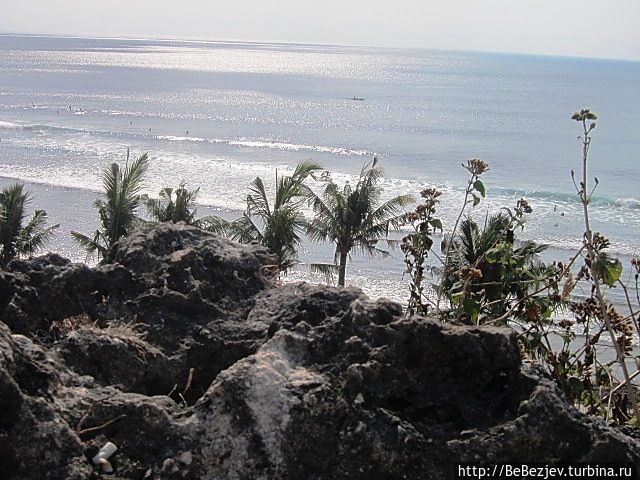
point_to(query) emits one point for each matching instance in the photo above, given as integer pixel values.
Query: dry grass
(132, 334)
(62, 328)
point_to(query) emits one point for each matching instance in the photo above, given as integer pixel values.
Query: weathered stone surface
(120, 357)
(195, 366)
(35, 441)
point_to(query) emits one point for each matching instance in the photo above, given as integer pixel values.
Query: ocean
(218, 114)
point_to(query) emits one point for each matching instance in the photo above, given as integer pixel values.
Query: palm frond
(93, 246)
(35, 234)
(213, 224)
(118, 205)
(17, 239)
(257, 201)
(277, 225)
(327, 270)
(244, 230)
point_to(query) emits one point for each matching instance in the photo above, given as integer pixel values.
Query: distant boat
(359, 99)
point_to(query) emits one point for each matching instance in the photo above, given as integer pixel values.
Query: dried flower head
(566, 324)
(584, 114)
(624, 326)
(476, 166)
(469, 273)
(430, 193)
(585, 309)
(600, 242)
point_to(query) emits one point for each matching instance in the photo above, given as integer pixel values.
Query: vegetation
(353, 218)
(487, 277)
(278, 224)
(490, 269)
(182, 208)
(168, 209)
(418, 245)
(599, 268)
(475, 188)
(117, 208)
(16, 238)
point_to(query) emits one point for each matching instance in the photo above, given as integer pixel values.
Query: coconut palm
(354, 218)
(168, 209)
(117, 208)
(17, 239)
(182, 209)
(276, 225)
(504, 270)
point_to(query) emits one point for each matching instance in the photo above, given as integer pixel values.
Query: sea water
(218, 114)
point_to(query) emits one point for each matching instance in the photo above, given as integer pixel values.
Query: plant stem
(447, 255)
(588, 238)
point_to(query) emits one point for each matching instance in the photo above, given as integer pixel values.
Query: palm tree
(504, 270)
(353, 217)
(117, 209)
(17, 240)
(278, 225)
(182, 209)
(166, 209)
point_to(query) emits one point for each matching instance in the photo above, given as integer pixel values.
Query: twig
(620, 385)
(90, 411)
(100, 427)
(172, 390)
(189, 380)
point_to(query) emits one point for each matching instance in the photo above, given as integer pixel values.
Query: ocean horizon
(217, 114)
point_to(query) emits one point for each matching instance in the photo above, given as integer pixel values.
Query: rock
(196, 366)
(118, 356)
(35, 440)
(51, 288)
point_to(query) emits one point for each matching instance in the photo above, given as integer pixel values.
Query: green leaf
(471, 308)
(436, 224)
(575, 385)
(476, 199)
(612, 272)
(491, 256)
(479, 186)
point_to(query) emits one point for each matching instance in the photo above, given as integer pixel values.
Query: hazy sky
(598, 28)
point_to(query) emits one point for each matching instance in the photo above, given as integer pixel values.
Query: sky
(592, 28)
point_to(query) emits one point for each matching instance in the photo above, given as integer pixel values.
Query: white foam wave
(10, 126)
(172, 138)
(271, 144)
(296, 148)
(632, 203)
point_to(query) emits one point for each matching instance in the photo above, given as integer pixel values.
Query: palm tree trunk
(342, 268)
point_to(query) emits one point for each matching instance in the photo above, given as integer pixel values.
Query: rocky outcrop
(196, 365)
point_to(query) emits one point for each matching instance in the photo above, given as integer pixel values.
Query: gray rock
(265, 382)
(120, 357)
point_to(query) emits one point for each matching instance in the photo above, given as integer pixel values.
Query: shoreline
(379, 277)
